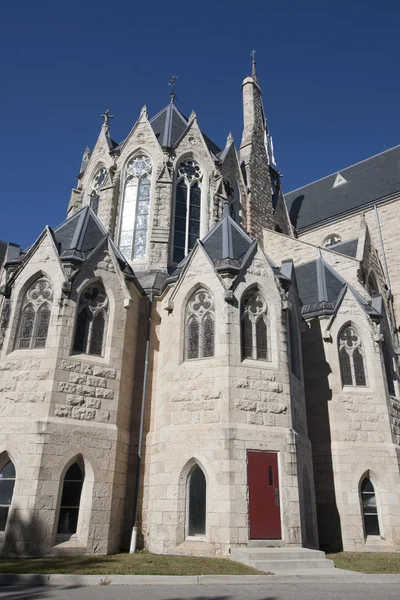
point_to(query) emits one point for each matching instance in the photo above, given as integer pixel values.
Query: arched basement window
(136, 207)
(98, 180)
(7, 482)
(187, 209)
(197, 502)
(35, 315)
(254, 326)
(369, 507)
(91, 327)
(351, 357)
(200, 325)
(70, 500)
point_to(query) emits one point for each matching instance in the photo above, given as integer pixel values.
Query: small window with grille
(351, 357)
(200, 326)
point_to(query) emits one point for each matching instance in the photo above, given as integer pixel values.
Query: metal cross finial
(172, 84)
(107, 118)
(253, 65)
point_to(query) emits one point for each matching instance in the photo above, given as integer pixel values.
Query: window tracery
(136, 207)
(200, 325)
(351, 357)
(255, 326)
(98, 181)
(35, 315)
(331, 240)
(187, 209)
(91, 327)
(7, 482)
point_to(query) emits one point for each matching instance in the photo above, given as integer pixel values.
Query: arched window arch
(372, 285)
(136, 208)
(187, 209)
(91, 326)
(35, 315)
(197, 502)
(7, 482)
(71, 499)
(331, 240)
(369, 507)
(255, 326)
(351, 357)
(98, 181)
(200, 325)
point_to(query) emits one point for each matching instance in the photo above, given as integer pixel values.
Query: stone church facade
(193, 362)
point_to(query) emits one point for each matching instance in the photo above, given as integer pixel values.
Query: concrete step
(278, 553)
(266, 544)
(283, 566)
(282, 560)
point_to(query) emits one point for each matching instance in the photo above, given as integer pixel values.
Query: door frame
(278, 460)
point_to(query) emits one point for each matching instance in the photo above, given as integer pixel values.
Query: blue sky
(329, 74)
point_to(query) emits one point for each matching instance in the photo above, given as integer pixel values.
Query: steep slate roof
(320, 288)
(371, 181)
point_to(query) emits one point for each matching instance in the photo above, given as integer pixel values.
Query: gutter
(132, 547)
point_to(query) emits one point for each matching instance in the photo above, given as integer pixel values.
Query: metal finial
(253, 65)
(107, 118)
(172, 84)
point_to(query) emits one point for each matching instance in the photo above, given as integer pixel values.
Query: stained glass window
(200, 325)
(136, 207)
(254, 326)
(35, 315)
(197, 503)
(7, 482)
(98, 181)
(70, 500)
(187, 209)
(91, 324)
(351, 357)
(370, 510)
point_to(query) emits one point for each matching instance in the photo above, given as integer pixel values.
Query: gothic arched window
(351, 357)
(70, 500)
(388, 363)
(98, 180)
(35, 315)
(197, 502)
(372, 285)
(255, 326)
(91, 327)
(136, 208)
(187, 209)
(200, 325)
(7, 482)
(369, 508)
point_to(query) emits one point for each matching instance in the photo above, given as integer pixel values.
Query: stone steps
(282, 560)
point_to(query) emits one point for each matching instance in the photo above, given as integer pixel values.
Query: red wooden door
(263, 484)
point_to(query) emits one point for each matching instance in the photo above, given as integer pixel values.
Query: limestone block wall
(78, 406)
(210, 412)
(351, 437)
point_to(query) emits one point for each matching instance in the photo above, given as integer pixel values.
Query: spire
(172, 84)
(106, 124)
(253, 65)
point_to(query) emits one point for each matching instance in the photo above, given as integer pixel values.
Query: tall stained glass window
(35, 315)
(200, 325)
(98, 181)
(255, 326)
(351, 357)
(7, 482)
(91, 326)
(136, 207)
(187, 209)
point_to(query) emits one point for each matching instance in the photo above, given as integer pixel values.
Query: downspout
(132, 547)
(385, 268)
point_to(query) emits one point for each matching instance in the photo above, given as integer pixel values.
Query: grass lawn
(367, 562)
(141, 563)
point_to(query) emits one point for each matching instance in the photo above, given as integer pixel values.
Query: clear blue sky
(329, 72)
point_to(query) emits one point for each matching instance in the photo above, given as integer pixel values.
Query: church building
(194, 362)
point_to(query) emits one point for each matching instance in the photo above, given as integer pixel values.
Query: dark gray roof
(371, 181)
(152, 281)
(320, 288)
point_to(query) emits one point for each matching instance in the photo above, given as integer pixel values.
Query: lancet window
(98, 180)
(187, 209)
(255, 326)
(91, 326)
(233, 199)
(35, 315)
(200, 325)
(136, 208)
(7, 482)
(197, 502)
(70, 500)
(351, 357)
(369, 508)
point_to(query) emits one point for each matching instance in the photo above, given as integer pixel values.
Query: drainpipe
(132, 548)
(385, 268)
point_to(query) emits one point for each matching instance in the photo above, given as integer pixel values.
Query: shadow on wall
(318, 394)
(24, 537)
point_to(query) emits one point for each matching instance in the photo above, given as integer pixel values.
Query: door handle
(276, 494)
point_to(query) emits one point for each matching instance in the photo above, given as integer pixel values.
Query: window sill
(89, 358)
(258, 364)
(196, 538)
(358, 389)
(29, 353)
(65, 541)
